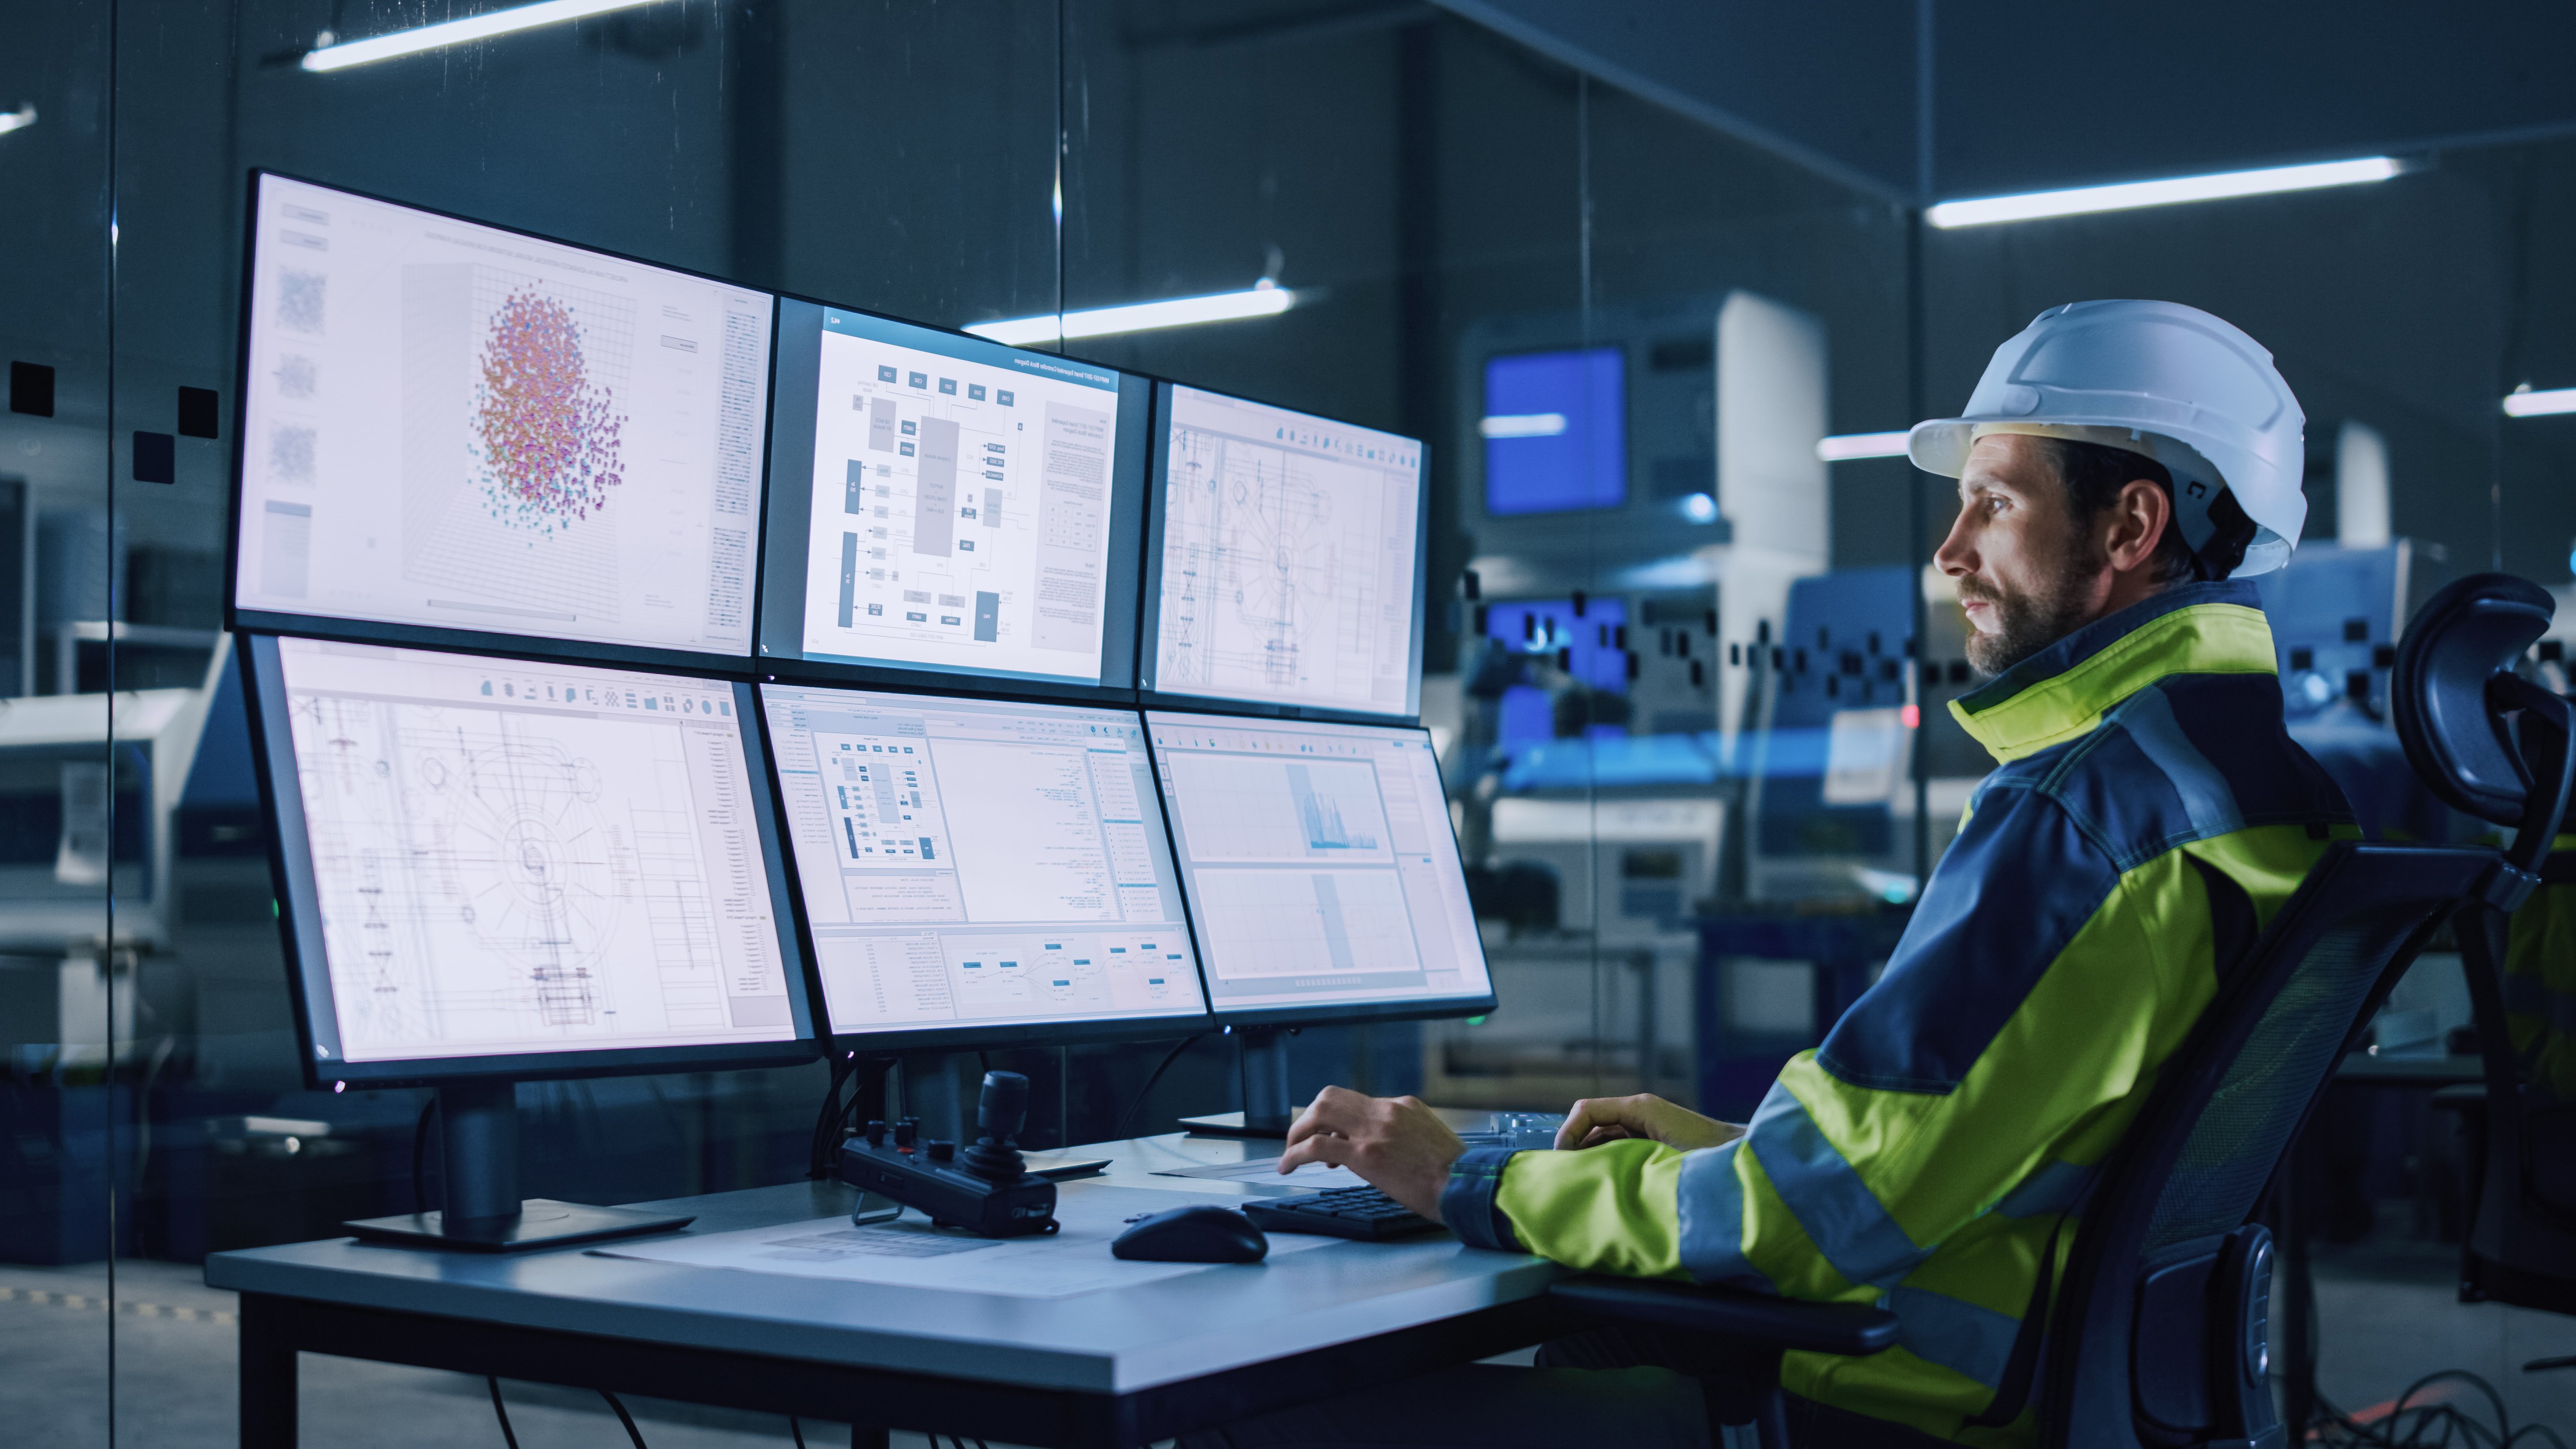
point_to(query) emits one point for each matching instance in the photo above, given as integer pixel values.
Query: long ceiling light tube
(1844, 447)
(2524, 403)
(19, 119)
(342, 55)
(1265, 300)
(2029, 206)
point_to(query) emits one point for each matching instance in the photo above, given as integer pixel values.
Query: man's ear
(2137, 520)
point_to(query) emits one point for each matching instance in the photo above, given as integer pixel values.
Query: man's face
(2027, 576)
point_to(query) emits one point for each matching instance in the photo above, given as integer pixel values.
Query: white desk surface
(1119, 1340)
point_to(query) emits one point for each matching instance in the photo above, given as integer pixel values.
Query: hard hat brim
(1941, 445)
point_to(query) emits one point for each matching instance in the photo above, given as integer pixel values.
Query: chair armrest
(1850, 1329)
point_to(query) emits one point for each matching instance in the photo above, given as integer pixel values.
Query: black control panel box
(985, 1189)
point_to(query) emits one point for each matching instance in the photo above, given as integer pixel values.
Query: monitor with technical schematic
(942, 504)
(499, 867)
(979, 871)
(491, 869)
(1284, 572)
(1323, 875)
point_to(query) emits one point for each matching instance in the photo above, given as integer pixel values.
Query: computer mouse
(1199, 1233)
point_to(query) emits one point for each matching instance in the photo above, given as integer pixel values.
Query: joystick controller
(985, 1188)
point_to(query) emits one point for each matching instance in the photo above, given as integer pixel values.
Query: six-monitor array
(649, 669)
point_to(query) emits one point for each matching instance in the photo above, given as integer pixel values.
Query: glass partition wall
(1686, 666)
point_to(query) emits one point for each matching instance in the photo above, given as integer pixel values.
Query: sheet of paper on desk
(910, 1253)
(1264, 1172)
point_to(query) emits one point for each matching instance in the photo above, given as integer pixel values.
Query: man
(2121, 466)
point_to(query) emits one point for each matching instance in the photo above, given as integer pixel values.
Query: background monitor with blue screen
(1323, 875)
(946, 505)
(1285, 569)
(459, 434)
(504, 868)
(1555, 428)
(982, 872)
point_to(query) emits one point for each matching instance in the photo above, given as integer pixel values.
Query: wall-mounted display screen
(1322, 872)
(1286, 564)
(979, 867)
(454, 427)
(947, 504)
(1556, 431)
(493, 858)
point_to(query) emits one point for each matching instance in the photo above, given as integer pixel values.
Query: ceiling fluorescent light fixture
(1263, 300)
(2029, 206)
(2522, 402)
(1522, 425)
(19, 119)
(1848, 446)
(342, 55)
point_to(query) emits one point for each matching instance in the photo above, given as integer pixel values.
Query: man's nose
(1956, 557)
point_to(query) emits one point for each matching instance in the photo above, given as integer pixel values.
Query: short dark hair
(2094, 474)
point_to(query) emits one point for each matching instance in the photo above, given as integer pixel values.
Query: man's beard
(2030, 621)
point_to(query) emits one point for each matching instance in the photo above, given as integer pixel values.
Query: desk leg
(863, 1437)
(267, 1378)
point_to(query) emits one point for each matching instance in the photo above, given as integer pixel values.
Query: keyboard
(1342, 1212)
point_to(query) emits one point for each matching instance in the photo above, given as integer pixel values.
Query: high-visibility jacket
(1925, 1156)
(2540, 991)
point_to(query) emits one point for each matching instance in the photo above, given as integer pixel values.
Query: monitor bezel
(885, 1042)
(1149, 602)
(1296, 1013)
(433, 636)
(790, 450)
(308, 970)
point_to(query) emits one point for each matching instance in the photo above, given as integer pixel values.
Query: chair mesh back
(2263, 1097)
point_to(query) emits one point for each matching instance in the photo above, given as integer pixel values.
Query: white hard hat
(2169, 381)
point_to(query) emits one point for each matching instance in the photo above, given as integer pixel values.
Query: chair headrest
(2455, 734)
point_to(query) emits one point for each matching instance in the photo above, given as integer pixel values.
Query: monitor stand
(1267, 1112)
(479, 1130)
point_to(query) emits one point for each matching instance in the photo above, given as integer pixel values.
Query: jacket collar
(2062, 692)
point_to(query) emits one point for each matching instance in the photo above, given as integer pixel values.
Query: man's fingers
(1323, 1147)
(1329, 1112)
(1599, 1135)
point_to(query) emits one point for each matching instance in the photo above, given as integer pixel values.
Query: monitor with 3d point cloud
(978, 872)
(450, 433)
(496, 867)
(1285, 570)
(1323, 875)
(941, 505)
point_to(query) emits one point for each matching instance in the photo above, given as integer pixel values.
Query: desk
(1107, 1370)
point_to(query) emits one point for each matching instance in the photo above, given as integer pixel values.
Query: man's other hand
(1399, 1145)
(1614, 1119)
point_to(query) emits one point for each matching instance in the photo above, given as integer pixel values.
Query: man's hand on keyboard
(1396, 1143)
(1612, 1119)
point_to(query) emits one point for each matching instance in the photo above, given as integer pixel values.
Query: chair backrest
(2159, 1334)
(2130, 1343)
(2458, 660)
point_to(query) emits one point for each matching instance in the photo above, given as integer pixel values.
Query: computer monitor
(495, 869)
(1322, 872)
(943, 505)
(453, 433)
(979, 871)
(1285, 568)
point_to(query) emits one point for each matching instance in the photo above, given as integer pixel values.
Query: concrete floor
(2387, 1314)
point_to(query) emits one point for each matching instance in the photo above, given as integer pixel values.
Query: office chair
(2158, 1337)
(2521, 1243)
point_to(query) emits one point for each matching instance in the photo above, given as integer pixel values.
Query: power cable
(624, 1418)
(501, 1413)
(1147, 1090)
(796, 1429)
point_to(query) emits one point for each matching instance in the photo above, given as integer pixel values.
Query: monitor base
(539, 1223)
(1235, 1124)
